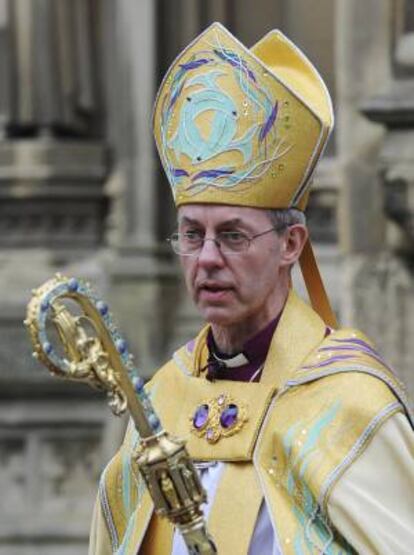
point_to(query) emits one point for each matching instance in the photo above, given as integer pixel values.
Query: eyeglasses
(190, 243)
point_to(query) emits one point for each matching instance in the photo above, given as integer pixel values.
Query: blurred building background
(82, 192)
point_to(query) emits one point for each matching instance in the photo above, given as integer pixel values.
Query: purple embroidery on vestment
(235, 61)
(328, 361)
(364, 348)
(353, 340)
(178, 172)
(190, 346)
(194, 64)
(211, 174)
(269, 123)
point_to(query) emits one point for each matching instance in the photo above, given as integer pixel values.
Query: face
(234, 289)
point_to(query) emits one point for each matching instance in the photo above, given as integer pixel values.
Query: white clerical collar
(233, 362)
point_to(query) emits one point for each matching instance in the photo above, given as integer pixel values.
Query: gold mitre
(241, 127)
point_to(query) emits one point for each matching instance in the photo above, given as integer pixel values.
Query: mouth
(213, 291)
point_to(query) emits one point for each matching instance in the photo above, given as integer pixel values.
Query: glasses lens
(174, 242)
(190, 243)
(233, 242)
(186, 243)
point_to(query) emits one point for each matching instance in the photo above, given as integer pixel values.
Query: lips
(213, 286)
(213, 290)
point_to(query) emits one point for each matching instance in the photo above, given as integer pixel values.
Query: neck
(231, 339)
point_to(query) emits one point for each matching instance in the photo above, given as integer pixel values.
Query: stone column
(378, 290)
(140, 267)
(53, 165)
(52, 157)
(362, 61)
(4, 53)
(51, 67)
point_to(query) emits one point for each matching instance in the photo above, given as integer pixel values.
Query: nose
(210, 254)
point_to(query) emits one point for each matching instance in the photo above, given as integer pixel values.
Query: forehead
(216, 214)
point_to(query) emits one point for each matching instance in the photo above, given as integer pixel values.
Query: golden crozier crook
(102, 360)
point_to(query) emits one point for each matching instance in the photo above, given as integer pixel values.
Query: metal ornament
(90, 349)
(221, 416)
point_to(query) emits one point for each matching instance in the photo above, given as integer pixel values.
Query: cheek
(188, 269)
(263, 274)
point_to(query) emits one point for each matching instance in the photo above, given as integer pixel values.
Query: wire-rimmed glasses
(190, 243)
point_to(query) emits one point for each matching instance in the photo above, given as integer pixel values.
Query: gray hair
(284, 217)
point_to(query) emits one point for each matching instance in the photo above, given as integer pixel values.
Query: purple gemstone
(102, 307)
(121, 346)
(200, 417)
(47, 347)
(73, 284)
(138, 384)
(229, 416)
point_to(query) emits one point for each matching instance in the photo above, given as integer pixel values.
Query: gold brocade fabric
(244, 511)
(158, 540)
(318, 405)
(241, 126)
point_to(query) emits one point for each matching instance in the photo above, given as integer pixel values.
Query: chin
(218, 316)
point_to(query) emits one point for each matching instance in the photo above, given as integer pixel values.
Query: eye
(192, 236)
(233, 237)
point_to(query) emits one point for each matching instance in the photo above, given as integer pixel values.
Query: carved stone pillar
(378, 167)
(53, 166)
(139, 265)
(48, 472)
(4, 63)
(50, 69)
(52, 159)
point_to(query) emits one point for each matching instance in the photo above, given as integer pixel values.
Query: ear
(294, 240)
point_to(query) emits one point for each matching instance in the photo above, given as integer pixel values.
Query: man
(300, 431)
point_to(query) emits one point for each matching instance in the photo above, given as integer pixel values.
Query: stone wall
(53, 204)
(375, 142)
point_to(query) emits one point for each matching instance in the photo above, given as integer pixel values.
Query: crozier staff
(301, 432)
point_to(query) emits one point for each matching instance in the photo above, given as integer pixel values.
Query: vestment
(324, 411)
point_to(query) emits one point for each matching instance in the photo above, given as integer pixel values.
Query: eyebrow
(233, 221)
(187, 220)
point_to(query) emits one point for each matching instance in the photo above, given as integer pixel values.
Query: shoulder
(186, 360)
(357, 369)
(331, 408)
(375, 489)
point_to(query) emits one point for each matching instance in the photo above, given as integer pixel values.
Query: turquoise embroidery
(257, 141)
(188, 138)
(127, 536)
(126, 484)
(314, 530)
(130, 479)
